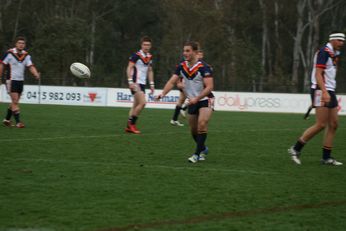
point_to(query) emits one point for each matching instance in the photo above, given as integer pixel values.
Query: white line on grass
(145, 134)
(191, 168)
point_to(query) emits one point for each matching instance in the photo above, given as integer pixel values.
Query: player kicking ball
(198, 84)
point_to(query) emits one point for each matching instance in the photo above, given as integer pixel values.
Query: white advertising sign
(122, 97)
(62, 95)
(267, 102)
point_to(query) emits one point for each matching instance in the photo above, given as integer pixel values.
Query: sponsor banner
(268, 102)
(122, 97)
(62, 95)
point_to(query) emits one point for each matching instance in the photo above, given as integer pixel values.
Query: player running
(198, 84)
(138, 70)
(14, 63)
(323, 99)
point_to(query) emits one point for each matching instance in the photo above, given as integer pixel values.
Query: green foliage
(102, 34)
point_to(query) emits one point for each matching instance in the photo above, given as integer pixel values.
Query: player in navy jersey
(323, 99)
(198, 84)
(139, 69)
(14, 63)
(182, 102)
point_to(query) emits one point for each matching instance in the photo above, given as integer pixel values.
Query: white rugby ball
(80, 70)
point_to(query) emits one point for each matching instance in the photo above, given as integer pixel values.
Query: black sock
(194, 136)
(176, 113)
(184, 108)
(133, 119)
(9, 114)
(326, 151)
(16, 115)
(299, 145)
(200, 140)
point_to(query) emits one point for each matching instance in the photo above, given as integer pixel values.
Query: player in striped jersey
(139, 69)
(14, 63)
(324, 99)
(198, 84)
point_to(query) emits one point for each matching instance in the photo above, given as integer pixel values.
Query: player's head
(190, 51)
(146, 44)
(20, 43)
(337, 39)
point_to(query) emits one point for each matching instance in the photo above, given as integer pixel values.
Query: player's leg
(202, 131)
(193, 124)
(7, 119)
(177, 109)
(329, 138)
(15, 97)
(138, 105)
(322, 116)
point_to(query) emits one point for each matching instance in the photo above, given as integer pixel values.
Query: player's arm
(169, 86)
(129, 71)
(320, 83)
(34, 72)
(1, 69)
(208, 87)
(151, 79)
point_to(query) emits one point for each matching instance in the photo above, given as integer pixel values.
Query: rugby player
(14, 63)
(138, 70)
(181, 105)
(198, 84)
(323, 99)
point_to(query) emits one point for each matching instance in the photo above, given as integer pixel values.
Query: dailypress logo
(244, 103)
(258, 101)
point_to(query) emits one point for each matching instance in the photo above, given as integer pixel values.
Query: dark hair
(193, 45)
(19, 38)
(146, 39)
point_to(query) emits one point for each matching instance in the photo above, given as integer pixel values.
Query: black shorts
(141, 88)
(333, 103)
(14, 86)
(194, 109)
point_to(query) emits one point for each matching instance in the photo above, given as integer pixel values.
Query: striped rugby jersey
(16, 62)
(326, 58)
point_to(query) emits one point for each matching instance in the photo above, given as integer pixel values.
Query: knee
(333, 125)
(321, 125)
(202, 126)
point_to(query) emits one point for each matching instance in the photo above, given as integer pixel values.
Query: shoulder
(134, 57)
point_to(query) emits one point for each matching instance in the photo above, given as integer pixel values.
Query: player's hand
(133, 87)
(152, 90)
(193, 101)
(325, 97)
(158, 97)
(38, 76)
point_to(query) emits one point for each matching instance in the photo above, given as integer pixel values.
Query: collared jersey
(325, 58)
(193, 77)
(16, 62)
(142, 62)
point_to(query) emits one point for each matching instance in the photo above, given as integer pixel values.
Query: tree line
(252, 45)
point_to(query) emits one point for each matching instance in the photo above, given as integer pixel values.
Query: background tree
(264, 46)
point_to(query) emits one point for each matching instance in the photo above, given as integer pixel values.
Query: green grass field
(73, 168)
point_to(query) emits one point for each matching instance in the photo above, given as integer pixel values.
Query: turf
(73, 168)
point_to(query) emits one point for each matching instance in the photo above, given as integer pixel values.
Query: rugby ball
(80, 70)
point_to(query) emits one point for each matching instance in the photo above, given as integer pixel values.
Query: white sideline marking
(145, 134)
(192, 168)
